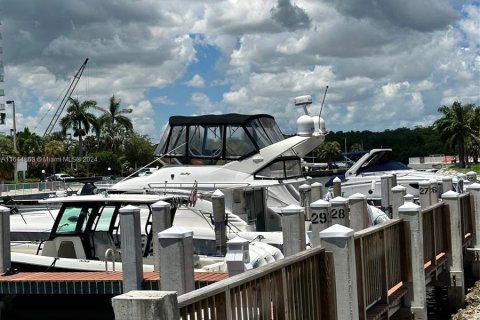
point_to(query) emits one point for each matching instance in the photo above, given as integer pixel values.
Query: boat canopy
(225, 137)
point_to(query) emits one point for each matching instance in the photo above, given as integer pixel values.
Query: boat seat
(101, 242)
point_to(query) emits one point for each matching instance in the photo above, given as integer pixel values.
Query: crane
(65, 98)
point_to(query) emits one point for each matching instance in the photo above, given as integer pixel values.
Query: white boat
(364, 176)
(86, 229)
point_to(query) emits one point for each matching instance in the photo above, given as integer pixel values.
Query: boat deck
(106, 282)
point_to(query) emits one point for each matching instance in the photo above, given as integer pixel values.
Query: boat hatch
(217, 138)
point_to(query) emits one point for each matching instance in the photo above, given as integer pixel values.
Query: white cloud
(196, 82)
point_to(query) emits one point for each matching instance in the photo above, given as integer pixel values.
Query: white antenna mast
(321, 108)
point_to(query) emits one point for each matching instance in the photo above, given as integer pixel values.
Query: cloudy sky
(388, 63)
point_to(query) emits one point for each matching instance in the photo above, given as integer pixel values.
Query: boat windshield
(217, 139)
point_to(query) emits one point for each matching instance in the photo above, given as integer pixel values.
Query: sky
(387, 64)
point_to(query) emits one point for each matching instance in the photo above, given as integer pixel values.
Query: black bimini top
(215, 119)
(224, 137)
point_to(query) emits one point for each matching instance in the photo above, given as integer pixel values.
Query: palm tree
(54, 149)
(328, 151)
(113, 122)
(79, 119)
(456, 126)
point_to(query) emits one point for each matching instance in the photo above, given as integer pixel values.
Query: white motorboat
(245, 156)
(86, 229)
(364, 176)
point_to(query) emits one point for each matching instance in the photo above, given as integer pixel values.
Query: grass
(475, 167)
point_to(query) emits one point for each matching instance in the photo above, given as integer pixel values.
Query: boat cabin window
(104, 219)
(73, 220)
(281, 168)
(217, 137)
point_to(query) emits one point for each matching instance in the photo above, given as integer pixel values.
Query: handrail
(110, 252)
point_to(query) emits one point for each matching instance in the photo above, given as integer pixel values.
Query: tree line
(456, 132)
(85, 145)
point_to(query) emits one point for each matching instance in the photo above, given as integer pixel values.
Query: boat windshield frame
(216, 139)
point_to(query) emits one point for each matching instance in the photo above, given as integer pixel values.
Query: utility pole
(15, 173)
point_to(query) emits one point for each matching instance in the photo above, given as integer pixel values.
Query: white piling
(238, 256)
(340, 240)
(5, 256)
(398, 194)
(447, 184)
(433, 191)
(321, 220)
(219, 216)
(456, 290)
(416, 297)
(408, 198)
(386, 184)
(305, 191)
(131, 240)
(161, 220)
(176, 260)
(424, 193)
(339, 211)
(146, 305)
(471, 177)
(474, 190)
(317, 191)
(337, 187)
(358, 211)
(293, 229)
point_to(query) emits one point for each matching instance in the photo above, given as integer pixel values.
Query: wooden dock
(109, 283)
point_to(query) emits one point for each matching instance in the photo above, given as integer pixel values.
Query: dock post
(339, 211)
(424, 193)
(293, 229)
(337, 187)
(131, 240)
(456, 289)
(5, 256)
(321, 220)
(433, 191)
(146, 305)
(474, 190)
(461, 177)
(386, 184)
(408, 198)
(161, 220)
(219, 218)
(176, 260)
(317, 191)
(358, 211)
(340, 240)
(416, 297)
(306, 199)
(398, 194)
(447, 184)
(471, 177)
(238, 256)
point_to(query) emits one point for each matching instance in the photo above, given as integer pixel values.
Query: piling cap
(408, 197)
(337, 231)
(447, 178)
(218, 193)
(320, 204)
(433, 180)
(128, 209)
(474, 186)
(409, 206)
(424, 183)
(316, 184)
(399, 188)
(305, 187)
(357, 196)
(237, 240)
(292, 209)
(337, 179)
(338, 200)
(450, 195)
(160, 204)
(175, 233)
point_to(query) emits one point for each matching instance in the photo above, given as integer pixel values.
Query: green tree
(328, 151)
(115, 125)
(138, 151)
(29, 144)
(7, 158)
(79, 119)
(456, 126)
(54, 149)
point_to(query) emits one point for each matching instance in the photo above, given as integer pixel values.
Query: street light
(14, 138)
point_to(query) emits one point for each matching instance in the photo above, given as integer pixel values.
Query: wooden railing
(298, 287)
(380, 275)
(436, 236)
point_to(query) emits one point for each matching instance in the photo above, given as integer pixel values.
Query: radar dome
(305, 126)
